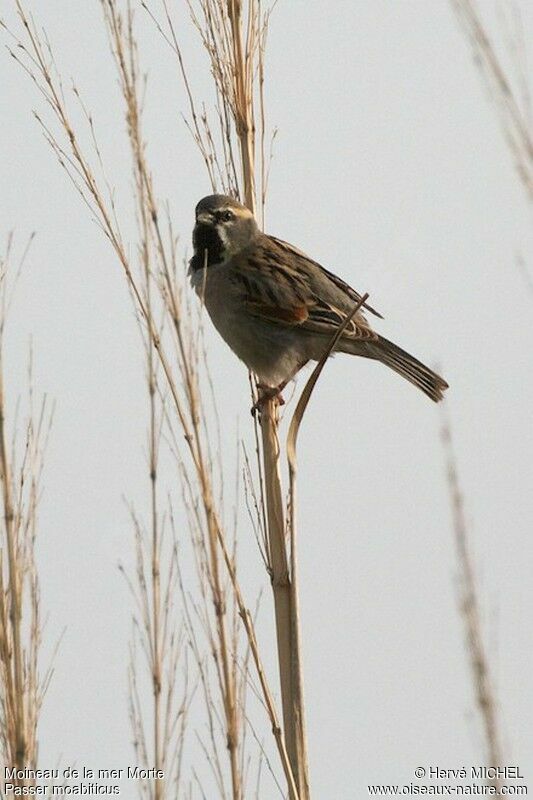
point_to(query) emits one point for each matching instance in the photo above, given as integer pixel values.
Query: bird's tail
(408, 366)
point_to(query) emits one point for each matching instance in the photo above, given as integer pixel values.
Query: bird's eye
(225, 216)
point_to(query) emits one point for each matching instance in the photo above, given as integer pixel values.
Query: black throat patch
(206, 239)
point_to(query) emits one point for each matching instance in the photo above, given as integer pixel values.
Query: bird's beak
(204, 219)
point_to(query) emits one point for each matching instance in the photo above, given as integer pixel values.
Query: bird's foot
(267, 393)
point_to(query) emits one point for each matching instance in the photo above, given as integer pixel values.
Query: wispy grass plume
(23, 438)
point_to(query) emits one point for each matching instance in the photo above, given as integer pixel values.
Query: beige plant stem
(514, 114)
(243, 101)
(21, 690)
(296, 669)
(242, 93)
(285, 588)
(470, 610)
(252, 640)
(124, 50)
(513, 104)
(279, 575)
(181, 382)
(16, 683)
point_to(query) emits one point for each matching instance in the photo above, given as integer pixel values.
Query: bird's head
(223, 228)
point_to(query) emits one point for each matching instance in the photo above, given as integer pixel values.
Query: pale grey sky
(391, 170)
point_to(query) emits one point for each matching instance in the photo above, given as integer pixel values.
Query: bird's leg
(267, 393)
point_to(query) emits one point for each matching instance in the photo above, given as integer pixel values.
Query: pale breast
(271, 351)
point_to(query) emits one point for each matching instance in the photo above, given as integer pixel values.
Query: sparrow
(276, 308)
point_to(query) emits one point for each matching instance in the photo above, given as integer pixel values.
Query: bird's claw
(265, 394)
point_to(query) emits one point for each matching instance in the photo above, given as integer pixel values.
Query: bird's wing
(342, 285)
(274, 287)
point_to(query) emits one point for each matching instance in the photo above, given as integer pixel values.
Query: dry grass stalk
(175, 348)
(153, 245)
(514, 110)
(289, 651)
(21, 463)
(156, 623)
(525, 273)
(284, 584)
(511, 95)
(159, 745)
(235, 43)
(237, 65)
(470, 610)
(303, 401)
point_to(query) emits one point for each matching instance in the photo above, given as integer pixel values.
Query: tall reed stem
(285, 593)
(284, 585)
(21, 461)
(471, 613)
(17, 739)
